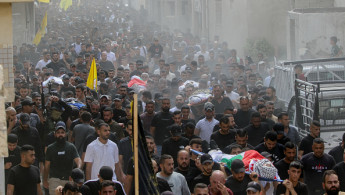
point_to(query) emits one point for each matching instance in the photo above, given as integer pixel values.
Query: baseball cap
(208, 106)
(229, 83)
(253, 186)
(206, 158)
(105, 96)
(117, 97)
(65, 77)
(237, 166)
(176, 130)
(106, 173)
(24, 118)
(78, 175)
(259, 83)
(27, 102)
(279, 128)
(60, 125)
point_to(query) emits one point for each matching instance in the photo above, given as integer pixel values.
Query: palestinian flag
(136, 80)
(248, 157)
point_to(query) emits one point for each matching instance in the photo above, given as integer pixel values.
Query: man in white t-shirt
(43, 63)
(102, 152)
(110, 55)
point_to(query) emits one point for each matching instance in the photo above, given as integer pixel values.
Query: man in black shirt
(330, 183)
(242, 117)
(225, 135)
(283, 164)
(207, 163)
(25, 178)
(238, 181)
(183, 161)
(338, 151)
(315, 164)
(160, 123)
(104, 63)
(241, 138)
(175, 143)
(66, 86)
(292, 185)
(220, 101)
(13, 158)
(155, 49)
(256, 130)
(305, 146)
(125, 147)
(55, 64)
(29, 135)
(271, 146)
(59, 160)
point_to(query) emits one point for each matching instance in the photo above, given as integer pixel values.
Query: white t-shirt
(206, 128)
(111, 57)
(100, 154)
(40, 64)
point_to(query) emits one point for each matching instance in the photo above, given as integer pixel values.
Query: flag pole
(135, 145)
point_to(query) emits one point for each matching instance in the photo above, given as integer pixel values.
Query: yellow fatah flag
(92, 79)
(65, 4)
(42, 31)
(44, 1)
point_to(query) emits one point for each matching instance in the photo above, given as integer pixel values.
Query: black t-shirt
(306, 144)
(242, 118)
(24, 179)
(56, 67)
(283, 168)
(300, 188)
(220, 107)
(314, 168)
(223, 140)
(118, 113)
(156, 50)
(277, 152)
(61, 158)
(238, 187)
(14, 158)
(107, 65)
(172, 147)
(340, 170)
(125, 149)
(93, 187)
(337, 153)
(256, 135)
(200, 179)
(161, 121)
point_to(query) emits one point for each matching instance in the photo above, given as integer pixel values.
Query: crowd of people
(65, 138)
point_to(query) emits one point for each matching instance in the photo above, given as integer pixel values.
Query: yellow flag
(42, 31)
(44, 1)
(65, 4)
(92, 79)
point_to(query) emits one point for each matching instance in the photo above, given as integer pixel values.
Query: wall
(23, 23)
(314, 29)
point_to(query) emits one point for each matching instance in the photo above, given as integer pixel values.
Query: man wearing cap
(59, 160)
(118, 107)
(271, 146)
(204, 127)
(176, 181)
(253, 188)
(66, 85)
(29, 135)
(238, 181)
(27, 107)
(93, 186)
(217, 181)
(175, 143)
(207, 163)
